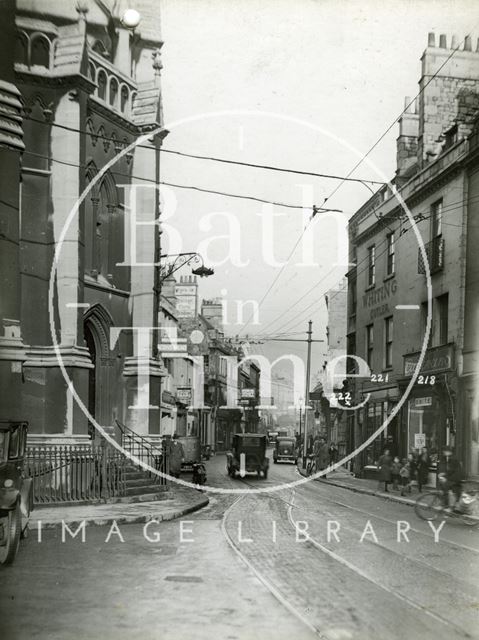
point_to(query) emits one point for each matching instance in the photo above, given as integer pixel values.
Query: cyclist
(450, 476)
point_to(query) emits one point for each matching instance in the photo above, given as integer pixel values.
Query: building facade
(413, 294)
(88, 87)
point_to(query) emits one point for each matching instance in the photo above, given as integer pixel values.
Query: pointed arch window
(21, 48)
(113, 97)
(40, 51)
(101, 81)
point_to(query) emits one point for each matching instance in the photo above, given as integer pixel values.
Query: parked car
(16, 491)
(285, 450)
(192, 450)
(248, 455)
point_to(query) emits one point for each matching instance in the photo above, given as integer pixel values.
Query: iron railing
(145, 451)
(75, 473)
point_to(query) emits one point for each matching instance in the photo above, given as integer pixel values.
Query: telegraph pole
(306, 394)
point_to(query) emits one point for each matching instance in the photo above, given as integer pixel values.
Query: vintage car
(16, 492)
(285, 450)
(248, 455)
(192, 450)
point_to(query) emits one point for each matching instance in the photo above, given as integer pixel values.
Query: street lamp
(182, 259)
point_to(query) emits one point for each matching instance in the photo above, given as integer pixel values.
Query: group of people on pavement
(401, 473)
(324, 456)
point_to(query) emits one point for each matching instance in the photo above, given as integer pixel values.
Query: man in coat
(333, 453)
(450, 475)
(321, 454)
(385, 470)
(177, 456)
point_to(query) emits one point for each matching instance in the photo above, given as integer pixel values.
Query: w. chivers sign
(382, 294)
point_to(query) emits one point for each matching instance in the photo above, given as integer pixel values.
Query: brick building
(388, 314)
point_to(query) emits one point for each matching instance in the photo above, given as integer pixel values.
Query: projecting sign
(183, 395)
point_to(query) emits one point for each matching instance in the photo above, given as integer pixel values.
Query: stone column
(11, 147)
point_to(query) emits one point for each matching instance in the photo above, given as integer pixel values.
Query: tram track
(291, 505)
(389, 521)
(380, 585)
(275, 592)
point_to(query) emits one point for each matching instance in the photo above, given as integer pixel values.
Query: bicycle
(430, 506)
(310, 466)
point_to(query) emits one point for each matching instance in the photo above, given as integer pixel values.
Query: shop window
(369, 344)
(436, 220)
(388, 342)
(40, 53)
(391, 255)
(426, 425)
(371, 265)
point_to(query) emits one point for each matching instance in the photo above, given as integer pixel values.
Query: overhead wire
(423, 217)
(358, 164)
(183, 186)
(210, 158)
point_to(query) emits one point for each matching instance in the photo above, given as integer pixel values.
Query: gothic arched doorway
(97, 323)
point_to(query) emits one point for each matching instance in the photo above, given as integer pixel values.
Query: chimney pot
(454, 42)
(443, 41)
(477, 48)
(431, 40)
(467, 43)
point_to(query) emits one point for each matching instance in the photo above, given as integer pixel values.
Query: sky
(308, 85)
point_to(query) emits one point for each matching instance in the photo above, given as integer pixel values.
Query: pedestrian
(450, 475)
(333, 454)
(177, 456)
(422, 470)
(384, 466)
(321, 454)
(395, 469)
(405, 473)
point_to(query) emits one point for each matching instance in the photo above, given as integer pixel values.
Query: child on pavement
(395, 469)
(405, 474)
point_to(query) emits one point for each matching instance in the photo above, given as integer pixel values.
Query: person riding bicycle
(450, 476)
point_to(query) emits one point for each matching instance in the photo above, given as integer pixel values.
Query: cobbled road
(308, 561)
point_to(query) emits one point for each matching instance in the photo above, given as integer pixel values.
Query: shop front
(370, 419)
(428, 417)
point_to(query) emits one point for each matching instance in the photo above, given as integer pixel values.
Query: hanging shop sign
(184, 395)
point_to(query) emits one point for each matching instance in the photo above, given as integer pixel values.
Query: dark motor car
(248, 455)
(16, 496)
(285, 450)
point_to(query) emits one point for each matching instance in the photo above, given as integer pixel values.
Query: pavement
(178, 502)
(345, 479)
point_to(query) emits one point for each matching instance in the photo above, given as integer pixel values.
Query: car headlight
(8, 483)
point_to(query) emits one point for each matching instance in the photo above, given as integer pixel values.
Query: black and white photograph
(239, 319)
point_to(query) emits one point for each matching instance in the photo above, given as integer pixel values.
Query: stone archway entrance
(96, 330)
